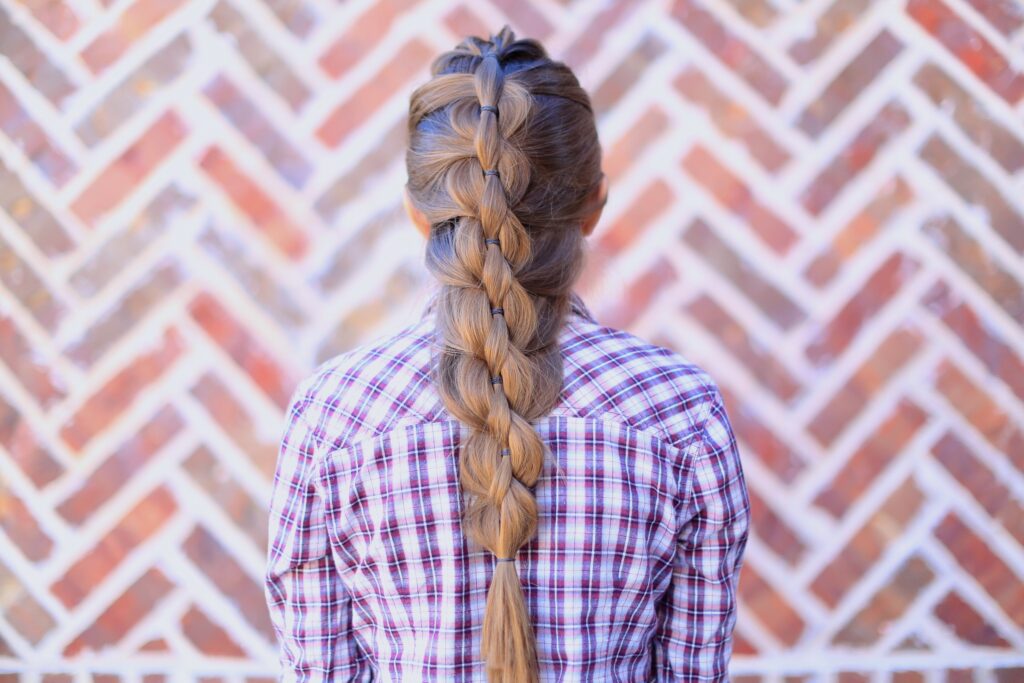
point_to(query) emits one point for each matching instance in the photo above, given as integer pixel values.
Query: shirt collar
(577, 306)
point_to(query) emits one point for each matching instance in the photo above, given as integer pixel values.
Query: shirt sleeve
(310, 607)
(696, 616)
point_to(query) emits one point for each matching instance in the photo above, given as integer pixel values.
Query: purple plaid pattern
(632, 576)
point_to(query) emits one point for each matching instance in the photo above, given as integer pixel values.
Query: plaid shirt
(633, 573)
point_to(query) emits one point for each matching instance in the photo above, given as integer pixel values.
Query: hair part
(503, 160)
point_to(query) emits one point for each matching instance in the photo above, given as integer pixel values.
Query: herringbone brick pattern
(821, 202)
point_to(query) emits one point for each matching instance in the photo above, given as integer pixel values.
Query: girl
(506, 490)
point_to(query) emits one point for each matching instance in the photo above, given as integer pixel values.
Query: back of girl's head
(504, 163)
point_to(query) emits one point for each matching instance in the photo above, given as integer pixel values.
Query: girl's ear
(600, 199)
(415, 215)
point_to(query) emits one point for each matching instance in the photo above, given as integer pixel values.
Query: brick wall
(821, 202)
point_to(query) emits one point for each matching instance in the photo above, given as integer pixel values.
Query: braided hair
(503, 161)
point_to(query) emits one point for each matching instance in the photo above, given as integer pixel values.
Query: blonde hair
(503, 160)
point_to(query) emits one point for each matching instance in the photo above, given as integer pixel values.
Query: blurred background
(821, 202)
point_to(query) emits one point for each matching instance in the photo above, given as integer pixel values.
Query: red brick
(998, 356)
(867, 545)
(714, 251)
(975, 189)
(772, 530)
(208, 637)
(57, 17)
(870, 378)
(21, 52)
(38, 375)
(29, 290)
(981, 411)
(968, 625)
(753, 353)
(131, 27)
(732, 192)
(358, 323)
(112, 625)
(857, 75)
(245, 593)
(627, 73)
(882, 448)
(771, 450)
(528, 20)
(246, 116)
(140, 524)
(119, 467)
(887, 605)
(22, 528)
(974, 118)
(639, 294)
(117, 394)
(860, 231)
(969, 46)
(389, 148)
(362, 36)
(651, 203)
(588, 41)
(833, 23)
(408, 61)
(836, 335)
(733, 51)
(213, 477)
(771, 609)
(862, 150)
(462, 22)
(298, 16)
(240, 345)
(232, 417)
(634, 142)
(978, 263)
(986, 487)
(123, 245)
(264, 213)
(984, 565)
(117, 107)
(37, 146)
(136, 304)
(24, 614)
(1004, 15)
(732, 118)
(275, 72)
(115, 182)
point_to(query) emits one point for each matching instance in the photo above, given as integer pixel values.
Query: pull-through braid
(503, 161)
(494, 378)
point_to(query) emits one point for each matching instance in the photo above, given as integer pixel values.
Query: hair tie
(506, 559)
(505, 451)
(491, 171)
(490, 108)
(491, 240)
(496, 380)
(497, 309)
